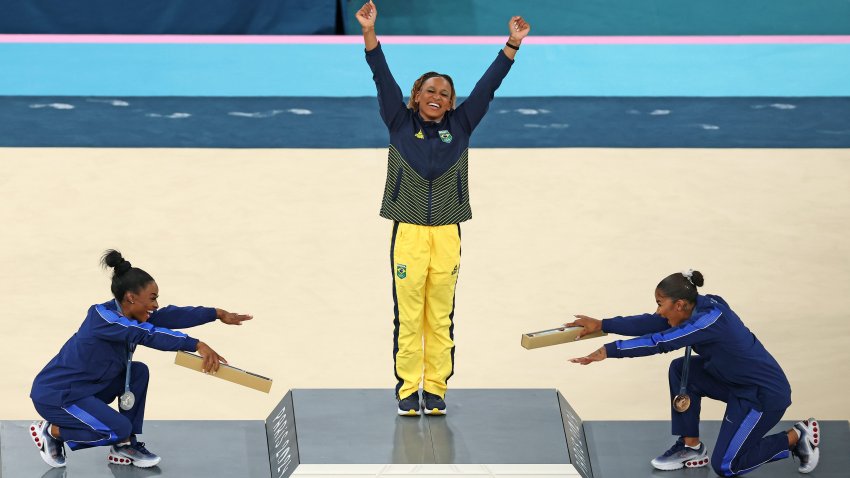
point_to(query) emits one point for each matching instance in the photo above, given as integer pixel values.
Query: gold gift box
(561, 335)
(226, 372)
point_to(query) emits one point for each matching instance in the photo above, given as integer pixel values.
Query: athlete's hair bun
(697, 278)
(114, 259)
(126, 277)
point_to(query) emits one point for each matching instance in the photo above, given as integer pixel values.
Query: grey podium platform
(348, 432)
(624, 449)
(189, 449)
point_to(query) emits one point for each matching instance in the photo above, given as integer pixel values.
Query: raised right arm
(366, 16)
(390, 99)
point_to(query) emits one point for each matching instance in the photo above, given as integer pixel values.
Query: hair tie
(688, 275)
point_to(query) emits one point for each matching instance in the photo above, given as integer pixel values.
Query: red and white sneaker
(681, 456)
(133, 453)
(807, 446)
(52, 451)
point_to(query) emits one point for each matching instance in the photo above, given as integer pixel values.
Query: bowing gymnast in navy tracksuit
(73, 392)
(732, 366)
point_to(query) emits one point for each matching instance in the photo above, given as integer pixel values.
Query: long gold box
(226, 372)
(561, 335)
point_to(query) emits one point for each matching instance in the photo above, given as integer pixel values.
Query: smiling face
(675, 311)
(140, 305)
(434, 98)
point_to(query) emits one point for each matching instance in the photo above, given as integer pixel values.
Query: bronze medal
(681, 402)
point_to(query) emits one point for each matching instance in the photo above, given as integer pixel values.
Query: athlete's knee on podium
(717, 464)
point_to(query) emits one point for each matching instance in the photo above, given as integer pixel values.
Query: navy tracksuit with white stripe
(74, 390)
(731, 366)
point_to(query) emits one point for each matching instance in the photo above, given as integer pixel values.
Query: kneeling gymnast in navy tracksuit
(732, 366)
(94, 367)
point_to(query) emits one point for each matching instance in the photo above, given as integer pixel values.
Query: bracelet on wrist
(508, 44)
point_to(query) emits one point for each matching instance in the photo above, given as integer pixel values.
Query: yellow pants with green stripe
(425, 266)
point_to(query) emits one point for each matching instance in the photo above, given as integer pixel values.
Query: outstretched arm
(633, 326)
(366, 16)
(172, 317)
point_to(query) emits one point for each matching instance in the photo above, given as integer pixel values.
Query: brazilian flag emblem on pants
(401, 271)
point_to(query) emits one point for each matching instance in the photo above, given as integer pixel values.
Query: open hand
(231, 318)
(599, 355)
(367, 15)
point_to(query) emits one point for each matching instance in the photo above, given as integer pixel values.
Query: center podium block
(531, 432)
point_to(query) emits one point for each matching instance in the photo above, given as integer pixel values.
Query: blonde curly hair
(417, 85)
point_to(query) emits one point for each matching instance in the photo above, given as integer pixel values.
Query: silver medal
(127, 400)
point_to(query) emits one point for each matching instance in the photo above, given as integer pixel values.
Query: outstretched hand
(599, 355)
(590, 325)
(231, 318)
(518, 29)
(367, 15)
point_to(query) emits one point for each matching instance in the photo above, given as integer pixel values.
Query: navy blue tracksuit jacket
(97, 354)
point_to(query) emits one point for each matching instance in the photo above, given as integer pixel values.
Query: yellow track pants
(425, 266)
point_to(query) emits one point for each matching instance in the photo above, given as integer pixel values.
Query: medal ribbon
(683, 384)
(132, 348)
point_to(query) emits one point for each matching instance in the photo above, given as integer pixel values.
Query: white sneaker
(133, 453)
(807, 446)
(52, 451)
(680, 456)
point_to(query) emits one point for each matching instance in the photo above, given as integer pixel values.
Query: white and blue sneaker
(52, 450)
(681, 456)
(132, 453)
(807, 446)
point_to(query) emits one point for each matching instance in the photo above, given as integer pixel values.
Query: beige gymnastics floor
(293, 237)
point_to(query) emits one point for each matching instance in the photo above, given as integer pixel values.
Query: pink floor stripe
(427, 40)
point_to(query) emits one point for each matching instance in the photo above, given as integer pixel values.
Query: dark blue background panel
(290, 122)
(187, 17)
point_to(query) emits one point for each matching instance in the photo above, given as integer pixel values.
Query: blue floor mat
(311, 122)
